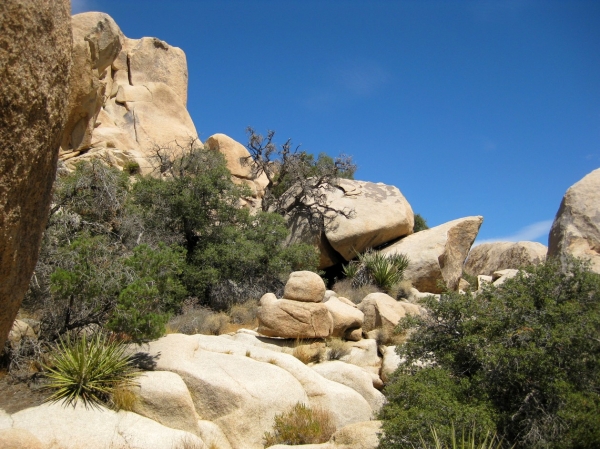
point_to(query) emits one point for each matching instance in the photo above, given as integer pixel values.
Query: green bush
(420, 223)
(522, 356)
(301, 425)
(88, 370)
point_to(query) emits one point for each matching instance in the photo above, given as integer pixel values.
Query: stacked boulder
(302, 312)
(487, 258)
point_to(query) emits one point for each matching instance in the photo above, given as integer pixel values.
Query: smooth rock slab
(489, 257)
(437, 254)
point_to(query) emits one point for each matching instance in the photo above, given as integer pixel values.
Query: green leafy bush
(301, 425)
(88, 370)
(466, 440)
(420, 223)
(520, 359)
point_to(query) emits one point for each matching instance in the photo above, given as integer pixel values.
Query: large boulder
(127, 96)
(576, 227)
(346, 316)
(19, 439)
(66, 427)
(35, 66)
(489, 257)
(293, 319)
(438, 254)
(163, 397)
(380, 214)
(304, 286)
(383, 311)
(232, 385)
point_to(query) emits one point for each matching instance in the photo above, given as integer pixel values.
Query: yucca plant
(376, 268)
(468, 441)
(88, 370)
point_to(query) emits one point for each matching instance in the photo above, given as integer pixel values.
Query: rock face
(304, 286)
(438, 254)
(576, 227)
(383, 311)
(489, 257)
(35, 65)
(125, 97)
(346, 317)
(381, 214)
(293, 319)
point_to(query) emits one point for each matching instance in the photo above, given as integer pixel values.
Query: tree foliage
(522, 357)
(298, 183)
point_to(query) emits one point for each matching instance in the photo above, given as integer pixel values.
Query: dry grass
(385, 338)
(402, 290)
(189, 443)
(356, 295)
(307, 353)
(123, 398)
(301, 425)
(337, 348)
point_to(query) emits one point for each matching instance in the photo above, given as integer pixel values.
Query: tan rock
(304, 286)
(364, 354)
(489, 257)
(293, 319)
(232, 385)
(391, 361)
(163, 397)
(381, 214)
(362, 435)
(383, 311)
(501, 276)
(354, 334)
(576, 227)
(354, 377)
(482, 279)
(19, 331)
(212, 435)
(437, 254)
(346, 318)
(19, 439)
(97, 428)
(154, 61)
(36, 64)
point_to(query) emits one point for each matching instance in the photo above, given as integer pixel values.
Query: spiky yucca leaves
(373, 267)
(468, 441)
(88, 370)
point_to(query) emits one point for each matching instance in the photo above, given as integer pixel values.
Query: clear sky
(469, 107)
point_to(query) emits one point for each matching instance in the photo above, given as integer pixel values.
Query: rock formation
(437, 254)
(489, 257)
(35, 64)
(126, 95)
(576, 227)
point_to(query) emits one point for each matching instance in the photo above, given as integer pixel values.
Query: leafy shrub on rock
(521, 358)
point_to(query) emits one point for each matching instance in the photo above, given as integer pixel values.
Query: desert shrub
(244, 313)
(199, 320)
(301, 425)
(467, 439)
(420, 223)
(123, 398)
(519, 359)
(336, 349)
(131, 167)
(345, 289)
(373, 267)
(402, 290)
(88, 370)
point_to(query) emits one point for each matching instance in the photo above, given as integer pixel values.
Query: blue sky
(469, 107)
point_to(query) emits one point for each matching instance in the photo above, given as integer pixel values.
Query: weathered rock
(482, 279)
(35, 65)
(304, 286)
(293, 319)
(163, 397)
(501, 276)
(383, 311)
(381, 214)
(346, 317)
(126, 96)
(19, 439)
(391, 361)
(354, 377)
(19, 331)
(97, 428)
(232, 385)
(437, 254)
(154, 61)
(212, 435)
(364, 354)
(489, 257)
(576, 227)
(361, 435)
